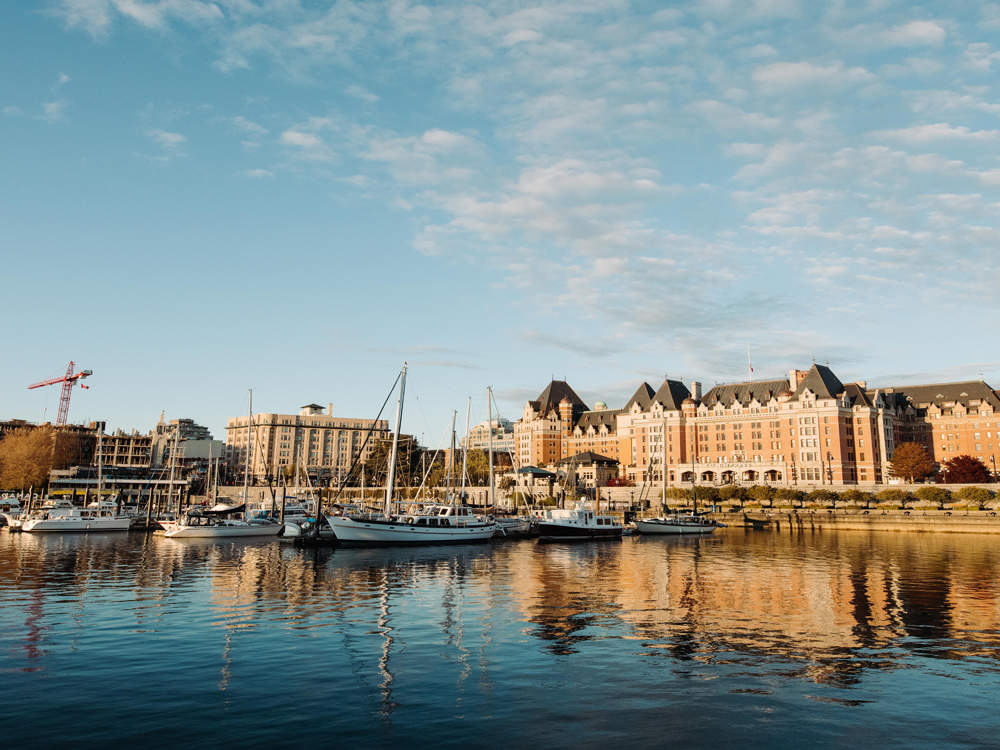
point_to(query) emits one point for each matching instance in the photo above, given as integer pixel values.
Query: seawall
(963, 521)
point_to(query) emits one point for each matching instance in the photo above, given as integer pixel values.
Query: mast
(173, 467)
(454, 414)
(663, 478)
(100, 467)
(246, 465)
(489, 424)
(390, 480)
(465, 453)
(208, 475)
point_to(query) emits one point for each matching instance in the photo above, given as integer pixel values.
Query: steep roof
(606, 417)
(922, 396)
(555, 392)
(642, 396)
(821, 381)
(671, 395)
(587, 457)
(858, 396)
(762, 390)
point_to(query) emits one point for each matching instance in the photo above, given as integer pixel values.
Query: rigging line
(371, 430)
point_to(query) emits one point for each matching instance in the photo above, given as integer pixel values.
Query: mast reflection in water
(756, 638)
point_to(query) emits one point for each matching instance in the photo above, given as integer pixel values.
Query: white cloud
(167, 139)
(920, 134)
(359, 92)
(54, 111)
(11, 110)
(258, 174)
(915, 33)
(62, 79)
(96, 16)
(783, 76)
(249, 126)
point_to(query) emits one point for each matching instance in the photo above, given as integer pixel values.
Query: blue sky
(202, 196)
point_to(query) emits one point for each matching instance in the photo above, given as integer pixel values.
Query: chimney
(696, 390)
(329, 408)
(794, 378)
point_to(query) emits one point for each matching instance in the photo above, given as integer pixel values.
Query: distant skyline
(204, 196)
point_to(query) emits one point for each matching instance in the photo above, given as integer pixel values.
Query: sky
(204, 196)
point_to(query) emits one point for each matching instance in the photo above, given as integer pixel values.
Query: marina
(750, 638)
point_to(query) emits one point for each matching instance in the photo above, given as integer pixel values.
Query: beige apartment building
(324, 444)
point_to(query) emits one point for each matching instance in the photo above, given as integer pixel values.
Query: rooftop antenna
(749, 365)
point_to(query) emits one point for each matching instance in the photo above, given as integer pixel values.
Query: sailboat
(679, 523)
(432, 524)
(222, 520)
(62, 515)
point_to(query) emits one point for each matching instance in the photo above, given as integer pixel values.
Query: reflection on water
(742, 631)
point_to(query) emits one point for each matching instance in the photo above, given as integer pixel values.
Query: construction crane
(68, 381)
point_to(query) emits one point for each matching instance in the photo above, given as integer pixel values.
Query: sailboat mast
(391, 479)
(246, 465)
(465, 452)
(208, 475)
(489, 424)
(451, 461)
(100, 467)
(173, 466)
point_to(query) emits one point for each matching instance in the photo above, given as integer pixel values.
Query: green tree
(896, 497)
(855, 497)
(977, 496)
(911, 462)
(965, 470)
(762, 493)
(931, 494)
(789, 496)
(729, 493)
(824, 498)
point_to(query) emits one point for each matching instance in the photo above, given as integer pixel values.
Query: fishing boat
(576, 524)
(433, 524)
(677, 524)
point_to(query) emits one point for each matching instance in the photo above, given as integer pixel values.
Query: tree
(26, 457)
(855, 497)
(730, 493)
(790, 496)
(931, 494)
(977, 496)
(911, 462)
(895, 497)
(823, 497)
(965, 470)
(762, 493)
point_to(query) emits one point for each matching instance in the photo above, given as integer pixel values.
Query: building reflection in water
(827, 607)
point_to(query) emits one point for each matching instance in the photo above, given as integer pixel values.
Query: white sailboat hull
(360, 531)
(672, 527)
(101, 523)
(177, 531)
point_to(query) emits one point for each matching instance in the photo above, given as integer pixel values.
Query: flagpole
(749, 366)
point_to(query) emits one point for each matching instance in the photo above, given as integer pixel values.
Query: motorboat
(515, 526)
(10, 510)
(576, 524)
(62, 515)
(677, 524)
(434, 524)
(216, 522)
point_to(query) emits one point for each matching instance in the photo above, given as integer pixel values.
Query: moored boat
(216, 523)
(576, 524)
(62, 515)
(437, 524)
(677, 524)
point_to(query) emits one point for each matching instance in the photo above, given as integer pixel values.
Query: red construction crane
(68, 381)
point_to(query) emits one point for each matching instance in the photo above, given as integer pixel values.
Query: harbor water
(744, 639)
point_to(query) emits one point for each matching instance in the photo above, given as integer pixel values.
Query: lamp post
(993, 460)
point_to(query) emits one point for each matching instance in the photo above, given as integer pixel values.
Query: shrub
(732, 492)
